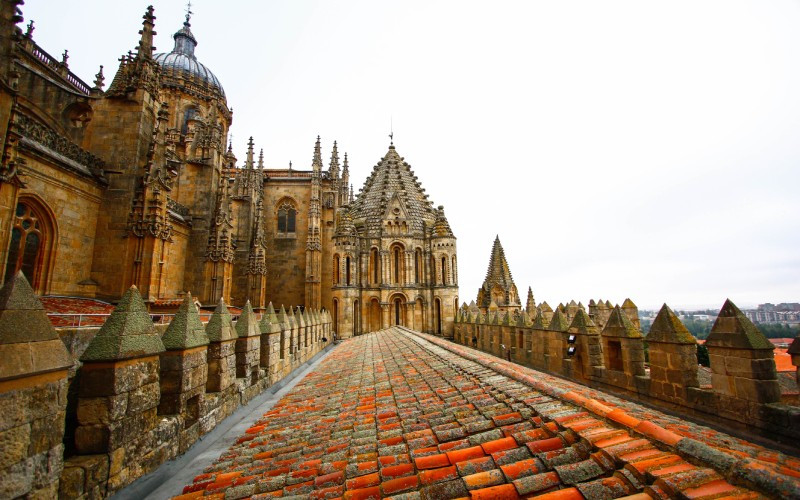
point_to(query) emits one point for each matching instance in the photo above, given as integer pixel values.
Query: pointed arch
(33, 243)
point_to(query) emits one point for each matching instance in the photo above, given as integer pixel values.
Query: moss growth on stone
(733, 329)
(582, 324)
(667, 327)
(220, 326)
(128, 333)
(618, 325)
(247, 325)
(559, 322)
(185, 331)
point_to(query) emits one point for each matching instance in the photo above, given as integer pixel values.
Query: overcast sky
(620, 149)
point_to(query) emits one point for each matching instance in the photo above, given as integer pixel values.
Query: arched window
(336, 267)
(287, 216)
(454, 271)
(29, 248)
(347, 269)
(444, 270)
(373, 257)
(396, 264)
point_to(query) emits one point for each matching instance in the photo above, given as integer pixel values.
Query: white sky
(620, 149)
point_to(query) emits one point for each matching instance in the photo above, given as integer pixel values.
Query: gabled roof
(392, 178)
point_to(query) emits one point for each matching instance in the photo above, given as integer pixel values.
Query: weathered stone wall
(744, 381)
(135, 403)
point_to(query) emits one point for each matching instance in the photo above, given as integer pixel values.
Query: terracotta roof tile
(407, 416)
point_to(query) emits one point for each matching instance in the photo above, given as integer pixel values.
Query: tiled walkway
(389, 414)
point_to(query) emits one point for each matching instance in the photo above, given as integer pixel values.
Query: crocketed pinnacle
(333, 168)
(316, 163)
(392, 190)
(441, 228)
(498, 272)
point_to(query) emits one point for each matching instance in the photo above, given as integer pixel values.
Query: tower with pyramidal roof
(498, 292)
(394, 256)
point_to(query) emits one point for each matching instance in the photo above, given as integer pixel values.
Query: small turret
(248, 163)
(316, 163)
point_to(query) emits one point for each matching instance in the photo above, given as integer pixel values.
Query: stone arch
(419, 314)
(418, 266)
(398, 308)
(397, 256)
(454, 270)
(32, 244)
(286, 217)
(374, 314)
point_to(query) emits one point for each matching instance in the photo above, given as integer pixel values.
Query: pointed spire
(22, 315)
(249, 159)
(345, 170)
(582, 324)
(128, 333)
(559, 322)
(733, 329)
(145, 50)
(316, 163)
(618, 325)
(668, 328)
(261, 159)
(220, 326)
(499, 271)
(530, 304)
(334, 165)
(247, 324)
(185, 331)
(28, 342)
(282, 315)
(351, 194)
(185, 42)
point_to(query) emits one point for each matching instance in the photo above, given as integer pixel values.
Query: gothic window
(28, 250)
(287, 216)
(336, 268)
(347, 269)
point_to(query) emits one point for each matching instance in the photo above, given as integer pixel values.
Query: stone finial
(609, 305)
(22, 315)
(128, 333)
(507, 319)
(220, 326)
(618, 325)
(28, 342)
(186, 330)
(99, 78)
(582, 324)
(282, 315)
(559, 322)
(545, 307)
(269, 317)
(668, 328)
(247, 325)
(733, 329)
(298, 317)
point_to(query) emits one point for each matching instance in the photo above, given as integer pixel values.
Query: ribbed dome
(181, 63)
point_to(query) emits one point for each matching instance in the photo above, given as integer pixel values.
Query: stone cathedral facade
(104, 186)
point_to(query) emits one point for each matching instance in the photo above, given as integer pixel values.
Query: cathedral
(104, 187)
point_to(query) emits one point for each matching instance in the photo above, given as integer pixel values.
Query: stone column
(33, 395)
(673, 357)
(119, 393)
(248, 346)
(385, 322)
(270, 344)
(743, 372)
(184, 371)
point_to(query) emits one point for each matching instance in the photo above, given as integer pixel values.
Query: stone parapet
(744, 387)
